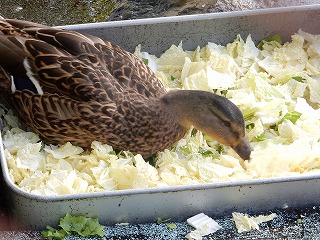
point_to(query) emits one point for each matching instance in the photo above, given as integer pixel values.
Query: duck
(72, 87)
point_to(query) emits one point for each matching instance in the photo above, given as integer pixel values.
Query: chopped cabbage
(245, 223)
(276, 86)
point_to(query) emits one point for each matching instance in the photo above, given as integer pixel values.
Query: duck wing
(132, 74)
(119, 70)
(51, 69)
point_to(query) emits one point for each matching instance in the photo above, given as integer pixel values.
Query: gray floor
(289, 224)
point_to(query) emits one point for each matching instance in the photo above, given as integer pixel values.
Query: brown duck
(70, 87)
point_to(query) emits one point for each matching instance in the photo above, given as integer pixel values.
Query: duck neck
(183, 106)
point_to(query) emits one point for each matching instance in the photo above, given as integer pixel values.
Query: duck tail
(5, 81)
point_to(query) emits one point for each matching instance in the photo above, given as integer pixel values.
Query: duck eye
(227, 124)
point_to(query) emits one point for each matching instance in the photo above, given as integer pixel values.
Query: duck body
(70, 87)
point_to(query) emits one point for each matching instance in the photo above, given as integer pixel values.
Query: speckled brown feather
(92, 90)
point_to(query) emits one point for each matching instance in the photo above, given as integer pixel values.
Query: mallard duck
(71, 87)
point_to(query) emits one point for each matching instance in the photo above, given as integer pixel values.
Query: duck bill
(243, 149)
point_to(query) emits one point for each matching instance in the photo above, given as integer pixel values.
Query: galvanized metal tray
(178, 203)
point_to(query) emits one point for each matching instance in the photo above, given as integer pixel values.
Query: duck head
(214, 115)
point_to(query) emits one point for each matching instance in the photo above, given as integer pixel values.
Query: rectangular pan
(178, 203)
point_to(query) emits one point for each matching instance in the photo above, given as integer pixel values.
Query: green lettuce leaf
(276, 38)
(71, 225)
(292, 116)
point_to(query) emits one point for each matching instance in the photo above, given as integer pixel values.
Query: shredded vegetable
(245, 223)
(276, 86)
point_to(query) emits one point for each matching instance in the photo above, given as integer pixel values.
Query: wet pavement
(131, 9)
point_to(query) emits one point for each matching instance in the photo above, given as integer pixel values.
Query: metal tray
(178, 203)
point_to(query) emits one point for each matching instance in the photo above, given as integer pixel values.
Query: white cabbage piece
(245, 223)
(16, 138)
(296, 89)
(103, 178)
(63, 151)
(314, 88)
(244, 53)
(272, 159)
(313, 51)
(147, 58)
(174, 57)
